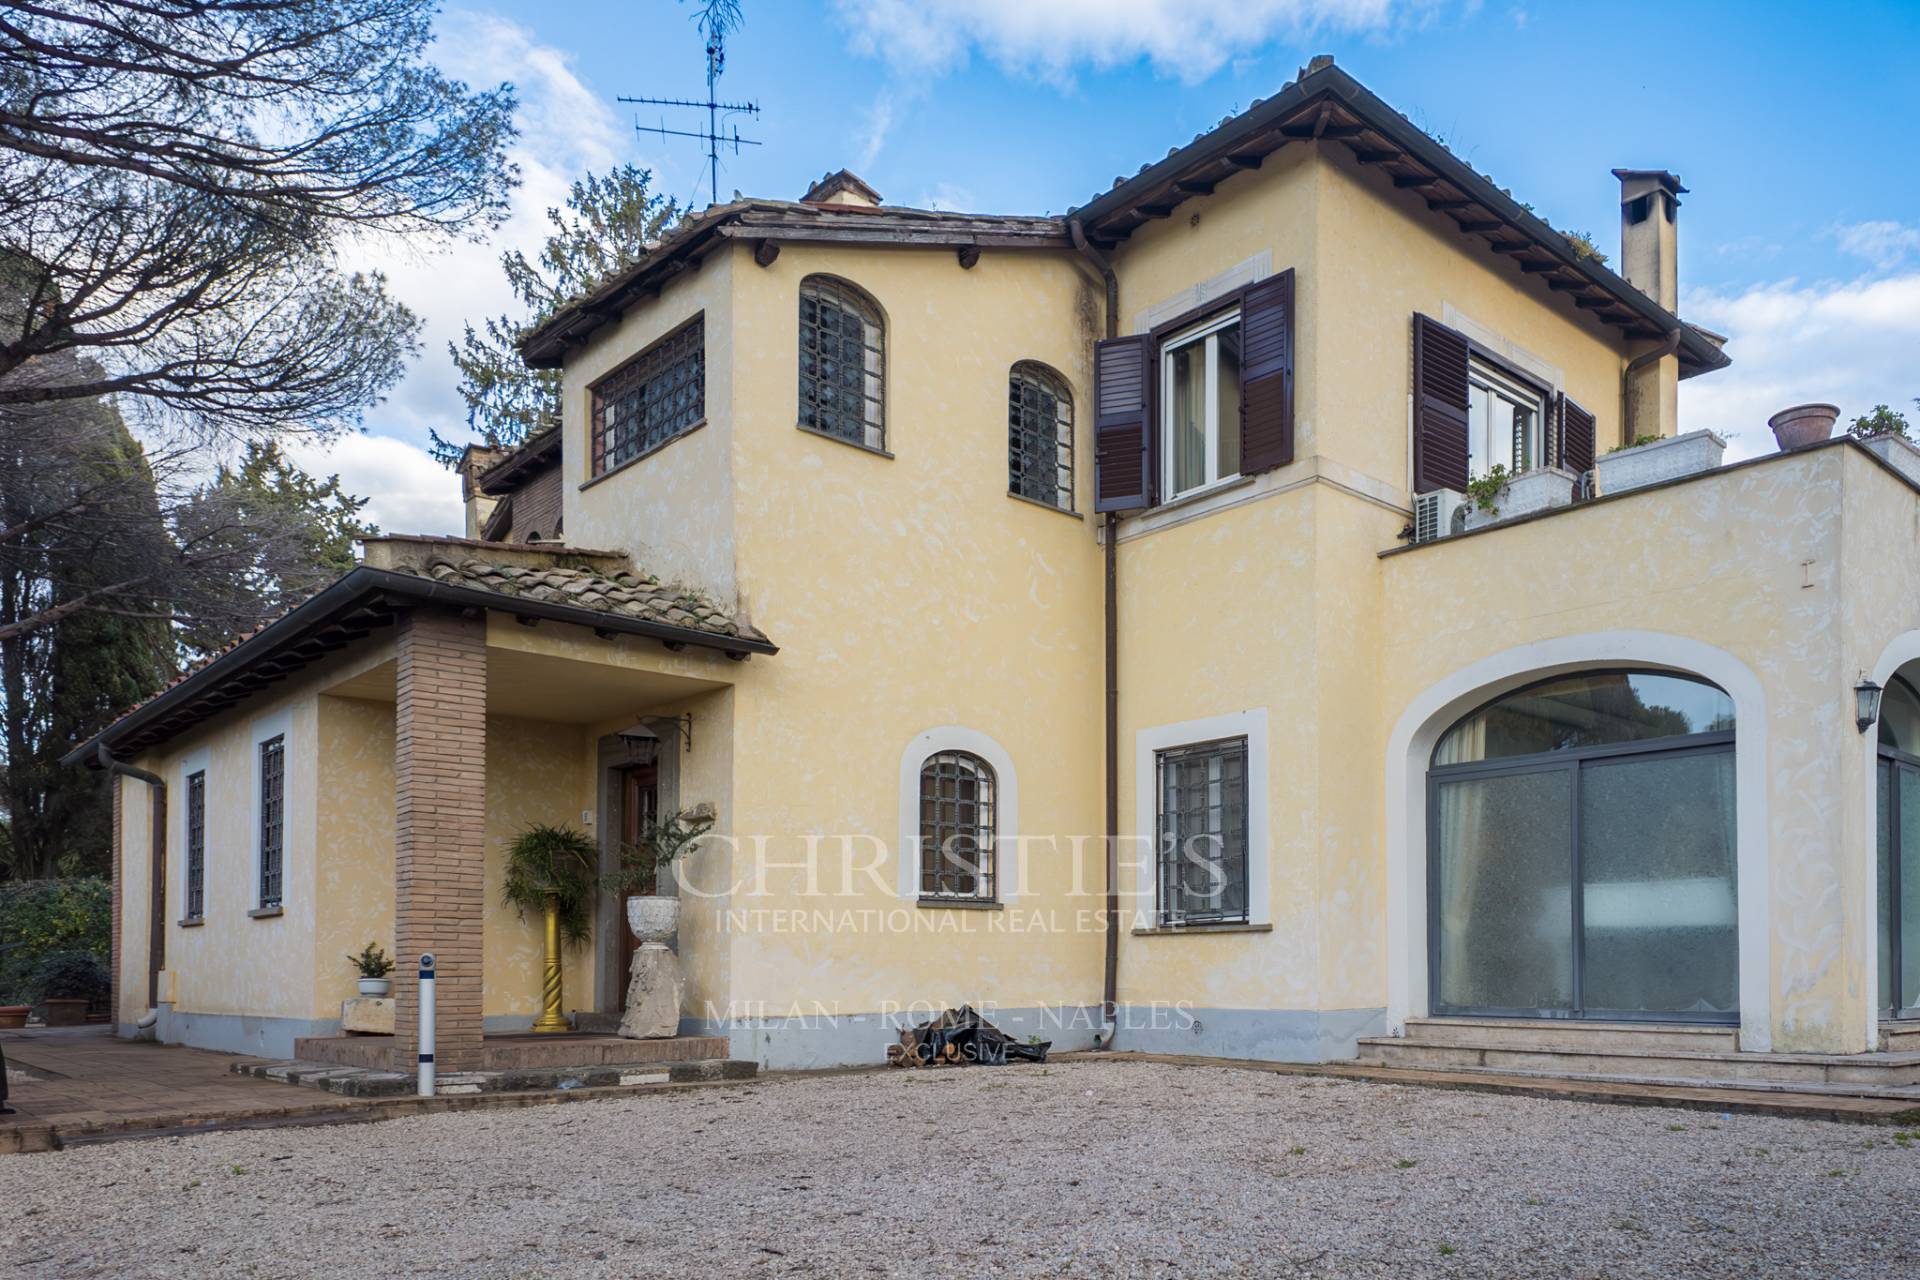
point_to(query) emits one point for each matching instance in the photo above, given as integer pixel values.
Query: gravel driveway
(1095, 1168)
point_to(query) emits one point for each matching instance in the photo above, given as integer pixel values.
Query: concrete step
(1570, 1033)
(1909, 1094)
(1900, 1037)
(1878, 1069)
(517, 1052)
(363, 1082)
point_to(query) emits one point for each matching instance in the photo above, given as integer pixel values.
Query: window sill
(191, 922)
(266, 913)
(638, 458)
(1193, 497)
(1169, 930)
(1045, 506)
(851, 444)
(961, 904)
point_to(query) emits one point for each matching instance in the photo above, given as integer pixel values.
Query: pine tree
(609, 224)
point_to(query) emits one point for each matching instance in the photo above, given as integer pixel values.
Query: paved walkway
(83, 1081)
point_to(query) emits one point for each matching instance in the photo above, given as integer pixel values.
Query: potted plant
(1886, 433)
(552, 870)
(1801, 425)
(374, 966)
(14, 1016)
(654, 917)
(65, 983)
(1655, 459)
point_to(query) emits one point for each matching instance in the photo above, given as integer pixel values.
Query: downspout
(157, 897)
(1110, 987)
(1635, 365)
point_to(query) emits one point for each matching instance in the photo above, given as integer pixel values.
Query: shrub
(71, 975)
(38, 917)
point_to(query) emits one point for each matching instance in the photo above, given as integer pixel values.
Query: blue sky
(1789, 122)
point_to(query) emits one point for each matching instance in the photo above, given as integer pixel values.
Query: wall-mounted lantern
(1866, 704)
(643, 743)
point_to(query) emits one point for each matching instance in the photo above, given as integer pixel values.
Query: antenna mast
(716, 19)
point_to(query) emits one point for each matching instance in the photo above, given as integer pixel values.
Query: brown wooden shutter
(1439, 407)
(1266, 375)
(1577, 444)
(1122, 424)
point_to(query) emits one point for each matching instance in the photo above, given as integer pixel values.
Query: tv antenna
(716, 18)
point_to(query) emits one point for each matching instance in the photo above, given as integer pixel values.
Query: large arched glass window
(1582, 860)
(1899, 845)
(1040, 435)
(842, 363)
(957, 827)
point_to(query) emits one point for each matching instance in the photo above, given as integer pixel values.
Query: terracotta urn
(1804, 424)
(653, 920)
(14, 1016)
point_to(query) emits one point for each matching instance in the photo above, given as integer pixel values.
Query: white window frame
(1147, 746)
(279, 725)
(1206, 331)
(1490, 377)
(1009, 864)
(200, 762)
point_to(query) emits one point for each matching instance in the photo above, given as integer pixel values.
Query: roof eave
(356, 588)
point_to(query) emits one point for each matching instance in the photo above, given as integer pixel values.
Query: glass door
(1900, 885)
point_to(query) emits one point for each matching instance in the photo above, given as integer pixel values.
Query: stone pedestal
(367, 1015)
(654, 992)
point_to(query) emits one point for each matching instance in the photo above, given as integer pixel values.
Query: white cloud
(566, 129)
(1190, 39)
(408, 491)
(879, 124)
(1884, 244)
(1852, 343)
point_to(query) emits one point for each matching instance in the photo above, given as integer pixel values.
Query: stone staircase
(1663, 1054)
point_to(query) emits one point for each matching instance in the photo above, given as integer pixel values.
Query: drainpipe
(157, 897)
(1110, 987)
(1635, 365)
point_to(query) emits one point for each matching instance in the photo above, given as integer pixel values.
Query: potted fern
(374, 966)
(551, 870)
(653, 916)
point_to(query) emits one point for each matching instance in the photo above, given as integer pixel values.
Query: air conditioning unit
(1439, 514)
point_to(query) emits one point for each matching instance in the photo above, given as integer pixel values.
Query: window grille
(957, 827)
(842, 364)
(1203, 833)
(196, 846)
(1040, 436)
(656, 396)
(273, 818)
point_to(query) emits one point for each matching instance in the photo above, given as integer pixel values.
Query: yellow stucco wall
(908, 593)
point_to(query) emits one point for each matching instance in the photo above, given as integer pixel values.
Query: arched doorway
(1582, 852)
(1899, 844)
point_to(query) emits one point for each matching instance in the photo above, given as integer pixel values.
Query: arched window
(1040, 435)
(957, 825)
(1899, 845)
(1582, 859)
(842, 363)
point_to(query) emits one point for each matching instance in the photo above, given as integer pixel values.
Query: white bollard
(426, 1024)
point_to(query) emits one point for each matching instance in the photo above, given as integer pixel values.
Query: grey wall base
(861, 1039)
(239, 1033)
(1263, 1035)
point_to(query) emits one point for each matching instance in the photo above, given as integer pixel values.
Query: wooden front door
(639, 805)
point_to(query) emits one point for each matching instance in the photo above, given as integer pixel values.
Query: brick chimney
(1650, 261)
(474, 460)
(841, 188)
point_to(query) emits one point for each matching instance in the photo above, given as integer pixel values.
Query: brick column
(439, 757)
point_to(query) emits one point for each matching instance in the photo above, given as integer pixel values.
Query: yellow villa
(1272, 611)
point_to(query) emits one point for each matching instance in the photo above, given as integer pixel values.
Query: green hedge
(41, 917)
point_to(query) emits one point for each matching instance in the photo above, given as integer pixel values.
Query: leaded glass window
(273, 818)
(656, 396)
(1203, 833)
(957, 827)
(196, 846)
(1040, 435)
(842, 363)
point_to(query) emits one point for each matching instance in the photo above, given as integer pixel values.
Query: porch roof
(595, 589)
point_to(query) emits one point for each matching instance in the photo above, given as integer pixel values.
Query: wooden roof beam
(1414, 182)
(1245, 160)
